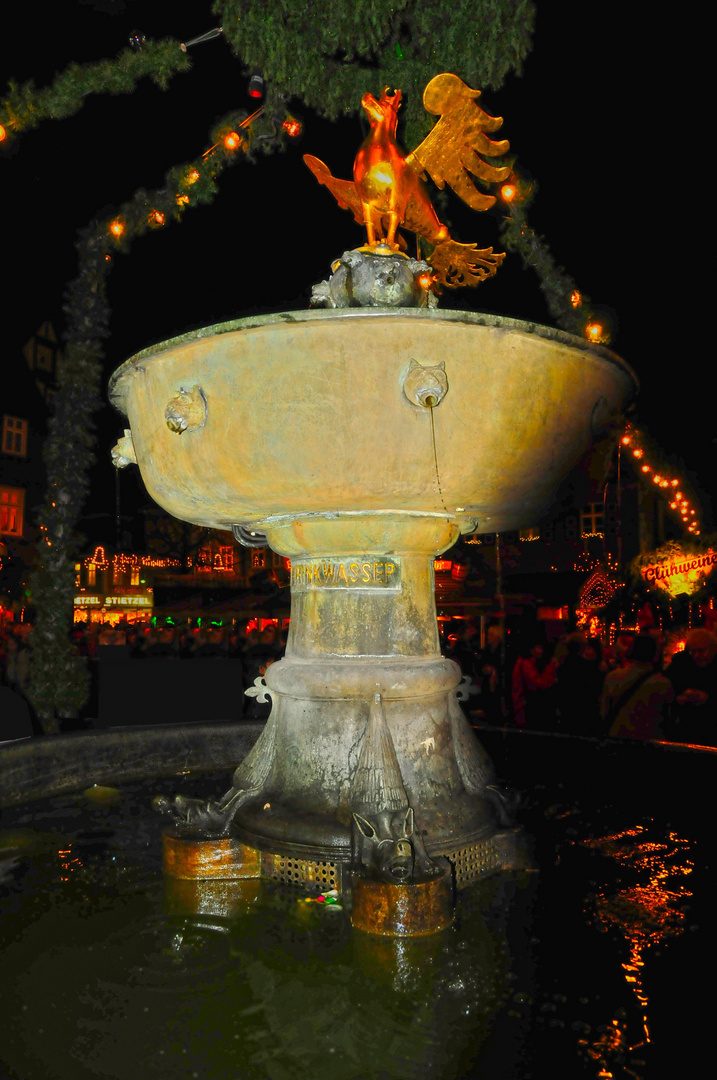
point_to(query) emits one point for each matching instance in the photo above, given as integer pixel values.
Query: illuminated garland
(669, 486)
(586, 562)
(24, 107)
(59, 684)
(324, 52)
(98, 561)
(566, 303)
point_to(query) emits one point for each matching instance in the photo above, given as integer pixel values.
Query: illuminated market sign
(90, 600)
(676, 570)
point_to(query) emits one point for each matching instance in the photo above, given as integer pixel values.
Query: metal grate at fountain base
(476, 861)
(301, 872)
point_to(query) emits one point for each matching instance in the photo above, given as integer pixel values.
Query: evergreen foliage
(25, 106)
(555, 283)
(329, 53)
(59, 679)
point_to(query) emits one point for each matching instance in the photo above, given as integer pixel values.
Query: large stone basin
(305, 413)
(304, 426)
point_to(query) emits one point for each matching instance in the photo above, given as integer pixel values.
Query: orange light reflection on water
(647, 913)
(68, 864)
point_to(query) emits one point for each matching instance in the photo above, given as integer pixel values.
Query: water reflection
(646, 912)
(108, 971)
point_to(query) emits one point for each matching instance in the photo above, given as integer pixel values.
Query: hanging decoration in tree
(137, 40)
(256, 86)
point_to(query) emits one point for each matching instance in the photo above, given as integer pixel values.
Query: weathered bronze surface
(217, 857)
(380, 907)
(311, 437)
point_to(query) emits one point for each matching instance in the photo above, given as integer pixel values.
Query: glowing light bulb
(646, 468)
(507, 192)
(3, 133)
(425, 280)
(117, 228)
(637, 453)
(626, 440)
(593, 331)
(576, 300)
(674, 482)
(192, 176)
(292, 127)
(656, 479)
(156, 218)
(232, 141)
(673, 506)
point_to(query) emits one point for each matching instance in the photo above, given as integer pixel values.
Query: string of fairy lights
(670, 487)
(568, 306)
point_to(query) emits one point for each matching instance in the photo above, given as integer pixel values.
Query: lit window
(258, 558)
(591, 519)
(227, 554)
(134, 576)
(12, 504)
(530, 534)
(204, 558)
(91, 573)
(14, 436)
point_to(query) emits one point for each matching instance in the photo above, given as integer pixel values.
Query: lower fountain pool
(586, 969)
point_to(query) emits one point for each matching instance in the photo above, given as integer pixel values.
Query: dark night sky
(593, 120)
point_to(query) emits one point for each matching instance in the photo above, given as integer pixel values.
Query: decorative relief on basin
(187, 410)
(426, 386)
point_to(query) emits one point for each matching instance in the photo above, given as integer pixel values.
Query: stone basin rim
(254, 322)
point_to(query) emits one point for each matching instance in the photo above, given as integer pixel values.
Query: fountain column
(364, 623)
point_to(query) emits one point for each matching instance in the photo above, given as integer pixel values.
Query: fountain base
(415, 910)
(192, 864)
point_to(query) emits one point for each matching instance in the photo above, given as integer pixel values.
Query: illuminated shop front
(112, 608)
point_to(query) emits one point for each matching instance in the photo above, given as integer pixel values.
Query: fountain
(360, 442)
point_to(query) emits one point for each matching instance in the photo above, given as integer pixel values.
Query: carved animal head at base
(384, 847)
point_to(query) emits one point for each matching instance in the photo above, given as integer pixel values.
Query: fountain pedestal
(364, 623)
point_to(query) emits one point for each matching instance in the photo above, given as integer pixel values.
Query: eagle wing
(457, 144)
(344, 191)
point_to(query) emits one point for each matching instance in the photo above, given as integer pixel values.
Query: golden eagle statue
(388, 190)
